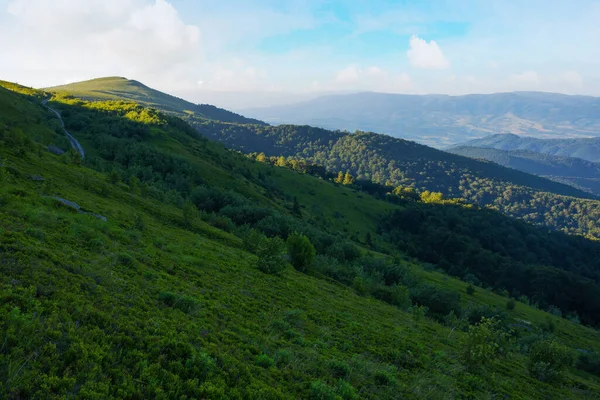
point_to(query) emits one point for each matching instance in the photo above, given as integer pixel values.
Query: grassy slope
(117, 88)
(81, 314)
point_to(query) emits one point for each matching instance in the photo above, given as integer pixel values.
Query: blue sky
(307, 46)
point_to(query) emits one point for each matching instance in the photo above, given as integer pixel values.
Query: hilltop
(118, 88)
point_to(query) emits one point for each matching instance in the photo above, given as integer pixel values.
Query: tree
(301, 251)
(348, 179)
(281, 162)
(339, 178)
(261, 158)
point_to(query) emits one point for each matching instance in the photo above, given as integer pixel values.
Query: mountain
(579, 173)
(155, 268)
(584, 148)
(117, 88)
(440, 120)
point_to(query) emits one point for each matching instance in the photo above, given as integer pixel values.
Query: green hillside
(579, 173)
(117, 88)
(167, 298)
(395, 162)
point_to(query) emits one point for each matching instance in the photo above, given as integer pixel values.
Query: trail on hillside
(74, 143)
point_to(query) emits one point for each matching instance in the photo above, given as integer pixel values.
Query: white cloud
(142, 39)
(428, 55)
(348, 75)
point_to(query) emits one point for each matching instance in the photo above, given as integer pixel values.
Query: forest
(395, 162)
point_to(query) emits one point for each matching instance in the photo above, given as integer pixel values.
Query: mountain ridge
(442, 120)
(120, 88)
(584, 148)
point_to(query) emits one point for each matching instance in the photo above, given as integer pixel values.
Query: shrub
(470, 290)
(186, 304)
(484, 343)
(339, 369)
(320, 391)
(589, 361)
(190, 213)
(264, 361)
(345, 390)
(270, 256)
(438, 300)
(548, 360)
(252, 239)
(478, 312)
(344, 251)
(301, 251)
(510, 304)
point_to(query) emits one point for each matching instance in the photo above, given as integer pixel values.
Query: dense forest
(217, 276)
(579, 173)
(396, 162)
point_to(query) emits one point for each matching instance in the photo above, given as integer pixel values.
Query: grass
(119, 309)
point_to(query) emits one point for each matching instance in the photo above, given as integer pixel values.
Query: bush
(320, 391)
(484, 343)
(439, 301)
(264, 361)
(548, 360)
(190, 213)
(302, 252)
(470, 290)
(252, 239)
(510, 304)
(271, 259)
(339, 369)
(589, 361)
(344, 251)
(345, 390)
(478, 312)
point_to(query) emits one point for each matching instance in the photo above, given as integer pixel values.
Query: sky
(306, 46)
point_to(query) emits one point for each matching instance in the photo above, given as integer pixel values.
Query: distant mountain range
(441, 120)
(117, 88)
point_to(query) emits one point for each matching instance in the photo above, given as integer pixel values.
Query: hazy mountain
(117, 88)
(576, 172)
(584, 148)
(440, 120)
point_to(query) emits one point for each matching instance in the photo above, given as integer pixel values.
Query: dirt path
(74, 143)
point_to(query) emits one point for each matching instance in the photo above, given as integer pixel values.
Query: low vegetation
(187, 290)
